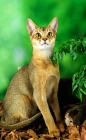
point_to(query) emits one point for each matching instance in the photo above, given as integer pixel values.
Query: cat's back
(20, 76)
(19, 83)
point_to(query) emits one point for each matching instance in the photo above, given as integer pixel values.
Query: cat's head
(42, 38)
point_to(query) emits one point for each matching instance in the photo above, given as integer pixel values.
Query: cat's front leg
(41, 101)
(56, 109)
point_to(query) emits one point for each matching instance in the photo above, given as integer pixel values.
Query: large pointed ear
(30, 26)
(54, 24)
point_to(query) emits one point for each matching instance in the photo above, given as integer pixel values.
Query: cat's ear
(54, 24)
(30, 26)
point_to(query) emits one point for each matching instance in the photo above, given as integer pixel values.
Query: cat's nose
(44, 39)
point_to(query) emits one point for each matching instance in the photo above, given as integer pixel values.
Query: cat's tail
(29, 122)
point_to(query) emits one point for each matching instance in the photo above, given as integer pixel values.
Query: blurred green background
(15, 46)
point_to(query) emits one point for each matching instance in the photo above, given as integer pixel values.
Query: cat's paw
(55, 133)
(61, 126)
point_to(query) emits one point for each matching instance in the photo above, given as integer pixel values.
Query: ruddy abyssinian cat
(35, 85)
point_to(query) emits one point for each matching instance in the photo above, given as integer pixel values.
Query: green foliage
(74, 47)
(79, 82)
(54, 58)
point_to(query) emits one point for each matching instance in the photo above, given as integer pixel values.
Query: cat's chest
(44, 74)
(49, 70)
(39, 74)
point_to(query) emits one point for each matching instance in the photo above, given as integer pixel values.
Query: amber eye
(38, 35)
(49, 34)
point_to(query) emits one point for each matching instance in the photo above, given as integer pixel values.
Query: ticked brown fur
(35, 85)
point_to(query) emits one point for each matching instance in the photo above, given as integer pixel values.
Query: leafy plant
(79, 82)
(54, 58)
(75, 47)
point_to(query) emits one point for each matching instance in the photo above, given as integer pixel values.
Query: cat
(34, 87)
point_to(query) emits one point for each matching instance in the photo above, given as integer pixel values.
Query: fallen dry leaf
(83, 131)
(40, 132)
(73, 133)
(32, 133)
(47, 136)
(24, 135)
(13, 135)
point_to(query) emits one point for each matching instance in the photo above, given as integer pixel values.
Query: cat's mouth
(45, 43)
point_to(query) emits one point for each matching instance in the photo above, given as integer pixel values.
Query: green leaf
(75, 87)
(85, 84)
(60, 55)
(73, 55)
(78, 94)
(81, 74)
(84, 92)
(79, 82)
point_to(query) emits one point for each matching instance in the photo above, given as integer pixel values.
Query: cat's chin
(42, 47)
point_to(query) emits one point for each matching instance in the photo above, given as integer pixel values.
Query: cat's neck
(42, 55)
(41, 58)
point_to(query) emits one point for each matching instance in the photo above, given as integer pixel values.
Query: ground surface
(39, 132)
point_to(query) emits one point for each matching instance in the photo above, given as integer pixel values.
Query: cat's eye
(38, 35)
(49, 34)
